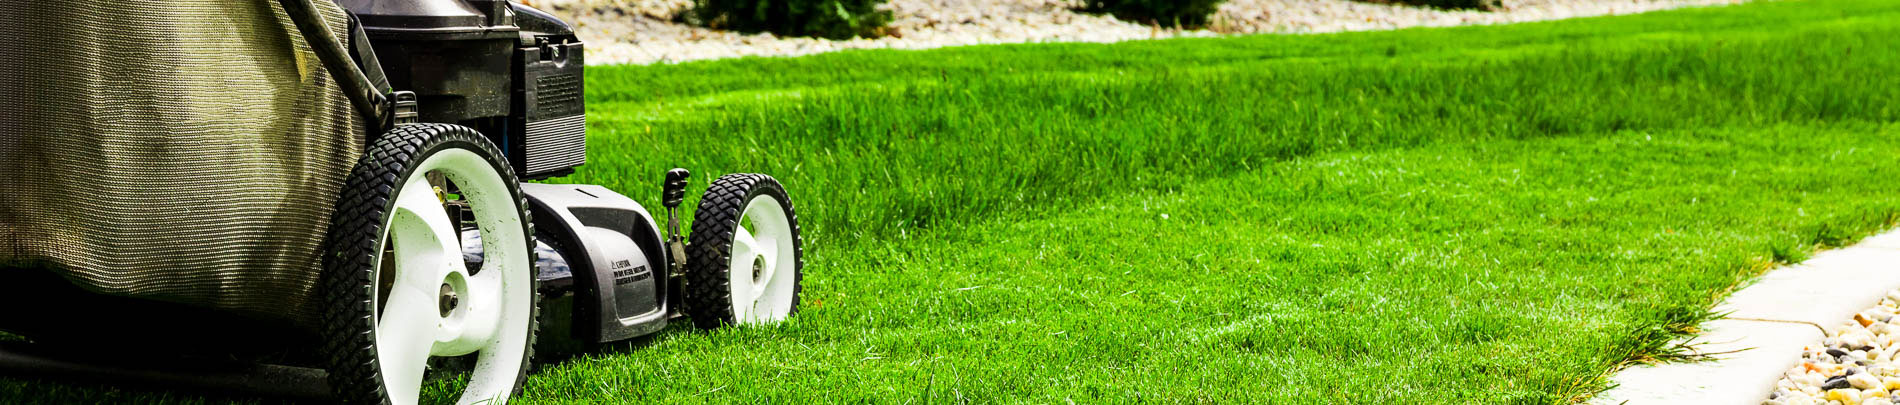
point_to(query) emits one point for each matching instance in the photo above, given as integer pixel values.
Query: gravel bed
(645, 31)
(1319, 16)
(1854, 365)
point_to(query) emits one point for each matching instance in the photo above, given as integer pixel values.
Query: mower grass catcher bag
(182, 153)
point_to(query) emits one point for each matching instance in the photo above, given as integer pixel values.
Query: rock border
(1769, 326)
(1854, 365)
(645, 31)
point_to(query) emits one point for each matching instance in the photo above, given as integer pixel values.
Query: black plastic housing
(508, 70)
(614, 252)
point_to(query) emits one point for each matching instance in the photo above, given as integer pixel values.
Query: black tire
(708, 295)
(354, 248)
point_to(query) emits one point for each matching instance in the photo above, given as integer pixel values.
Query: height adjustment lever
(673, 192)
(675, 188)
(402, 108)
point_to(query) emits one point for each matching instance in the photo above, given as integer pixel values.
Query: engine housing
(511, 71)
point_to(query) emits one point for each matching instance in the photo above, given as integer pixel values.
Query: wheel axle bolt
(449, 300)
(758, 268)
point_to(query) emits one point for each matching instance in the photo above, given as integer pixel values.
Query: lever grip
(674, 190)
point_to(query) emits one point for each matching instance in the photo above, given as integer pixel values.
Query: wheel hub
(758, 268)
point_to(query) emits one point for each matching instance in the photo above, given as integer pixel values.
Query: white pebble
(1863, 381)
(1857, 338)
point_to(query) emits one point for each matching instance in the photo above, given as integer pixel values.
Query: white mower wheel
(397, 291)
(746, 259)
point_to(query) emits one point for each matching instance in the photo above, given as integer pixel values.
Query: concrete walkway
(1768, 324)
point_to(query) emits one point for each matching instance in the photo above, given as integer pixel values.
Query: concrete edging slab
(1769, 323)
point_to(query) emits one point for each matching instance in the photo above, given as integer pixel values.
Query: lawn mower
(341, 186)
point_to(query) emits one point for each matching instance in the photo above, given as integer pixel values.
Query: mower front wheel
(746, 259)
(399, 296)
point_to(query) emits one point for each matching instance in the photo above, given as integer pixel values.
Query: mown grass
(1050, 124)
(1495, 271)
(1481, 214)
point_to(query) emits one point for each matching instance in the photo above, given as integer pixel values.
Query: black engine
(508, 70)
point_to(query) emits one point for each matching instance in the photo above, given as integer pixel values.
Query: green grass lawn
(1500, 214)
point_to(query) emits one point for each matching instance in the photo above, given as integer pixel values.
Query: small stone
(1863, 320)
(1827, 370)
(1873, 393)
(1845, 395)
(1799, 399)
(1857, 339)
(1835, 383)
(1890, 383)
(1864, 381)
(1836, 352)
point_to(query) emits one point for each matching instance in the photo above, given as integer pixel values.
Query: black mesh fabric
(188, 151)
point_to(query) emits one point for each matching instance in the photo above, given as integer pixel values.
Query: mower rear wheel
(397, 289)
(746, 259)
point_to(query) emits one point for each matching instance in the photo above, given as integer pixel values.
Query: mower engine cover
(510, 71)
(187, 151)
